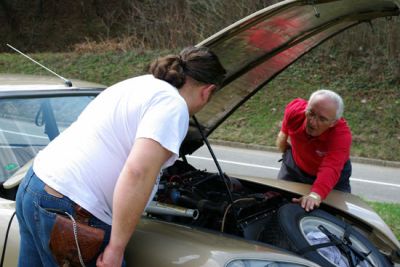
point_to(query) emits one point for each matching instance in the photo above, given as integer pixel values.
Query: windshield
(27, 125)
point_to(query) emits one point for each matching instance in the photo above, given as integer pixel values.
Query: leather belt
(81, 215)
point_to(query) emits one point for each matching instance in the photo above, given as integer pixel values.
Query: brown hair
(197, 62)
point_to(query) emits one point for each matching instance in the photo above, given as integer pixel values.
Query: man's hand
(309, 201)
(282, 142)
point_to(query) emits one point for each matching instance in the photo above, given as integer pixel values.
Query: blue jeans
(36, 222)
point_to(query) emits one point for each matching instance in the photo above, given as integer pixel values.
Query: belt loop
(28, 177)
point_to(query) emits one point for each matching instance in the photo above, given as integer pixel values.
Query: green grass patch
(390, 213)
(372, 102)
(105, 68)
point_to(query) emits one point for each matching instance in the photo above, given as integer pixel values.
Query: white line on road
(373, 182)
(236, 163)
(277, 169)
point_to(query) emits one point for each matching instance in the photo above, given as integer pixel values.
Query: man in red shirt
(316, 142)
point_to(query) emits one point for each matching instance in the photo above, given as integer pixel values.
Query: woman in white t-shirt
(103, 168)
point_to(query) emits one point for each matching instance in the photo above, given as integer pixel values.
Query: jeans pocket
(45, 222)
(44, 225)
(47, 207)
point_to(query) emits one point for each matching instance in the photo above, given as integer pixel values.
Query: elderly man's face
(320, 115)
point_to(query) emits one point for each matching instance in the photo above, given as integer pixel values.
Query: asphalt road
(371, 182)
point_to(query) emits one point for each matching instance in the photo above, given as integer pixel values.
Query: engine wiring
(229, 207)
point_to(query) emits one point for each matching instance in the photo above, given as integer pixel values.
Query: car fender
(9, 233)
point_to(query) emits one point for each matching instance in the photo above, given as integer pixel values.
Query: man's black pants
(290, 172)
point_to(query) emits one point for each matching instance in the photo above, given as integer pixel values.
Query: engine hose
(204, 204)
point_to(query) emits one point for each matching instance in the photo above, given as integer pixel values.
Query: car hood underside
(257, 48)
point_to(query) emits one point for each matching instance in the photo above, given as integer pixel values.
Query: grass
(105, 68)
(372, 108)
(372, 101)
(390, 213)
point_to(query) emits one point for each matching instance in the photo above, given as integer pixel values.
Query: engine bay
(203, 199)
(257, 212)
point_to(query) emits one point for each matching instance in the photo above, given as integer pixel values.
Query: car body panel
(16, 82)
(166, 244)
(195, 247)
(7, 209)
(21, 85)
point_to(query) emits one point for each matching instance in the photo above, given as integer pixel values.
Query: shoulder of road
(379, 162)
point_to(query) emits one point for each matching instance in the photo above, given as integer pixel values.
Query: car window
(28, 124)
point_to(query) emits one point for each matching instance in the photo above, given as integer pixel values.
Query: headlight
(261, 263)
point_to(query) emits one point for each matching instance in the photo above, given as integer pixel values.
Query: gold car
(200, 218)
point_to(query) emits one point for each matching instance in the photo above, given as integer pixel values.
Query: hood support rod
(221, 174)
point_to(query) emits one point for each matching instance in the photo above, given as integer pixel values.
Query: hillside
(372, 100)
(107, 41)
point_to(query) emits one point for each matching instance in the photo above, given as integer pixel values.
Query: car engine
(203, 199)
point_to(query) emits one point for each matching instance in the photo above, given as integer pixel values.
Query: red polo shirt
(322, 156)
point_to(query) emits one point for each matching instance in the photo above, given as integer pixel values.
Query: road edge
(379, 162)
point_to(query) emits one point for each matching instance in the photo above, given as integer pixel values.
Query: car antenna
(66, 81)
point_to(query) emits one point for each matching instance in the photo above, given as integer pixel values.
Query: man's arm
(282, 141)
(131, 195)
(327, 177)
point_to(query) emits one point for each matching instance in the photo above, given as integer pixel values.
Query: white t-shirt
(84, 162)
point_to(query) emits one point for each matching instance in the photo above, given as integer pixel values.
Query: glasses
(320, 119)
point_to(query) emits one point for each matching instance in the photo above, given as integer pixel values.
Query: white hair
(334, 97)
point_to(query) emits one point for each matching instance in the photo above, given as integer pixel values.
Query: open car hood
(257, 48)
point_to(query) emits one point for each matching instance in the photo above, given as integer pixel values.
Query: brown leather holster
(63, 244)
